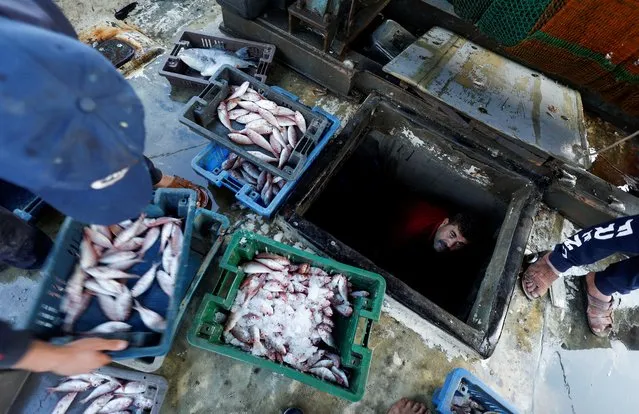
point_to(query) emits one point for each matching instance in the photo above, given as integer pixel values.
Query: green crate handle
(227, 275)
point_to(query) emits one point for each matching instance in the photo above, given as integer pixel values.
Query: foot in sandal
(537, 279)
(599, 308)
(406, 406)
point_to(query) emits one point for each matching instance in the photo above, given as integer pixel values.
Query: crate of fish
(463, 392)
(255, 188)
(263, 126)
(105, 390)
(300, 315)
(122, 281)
(209, 229)
(197, 56)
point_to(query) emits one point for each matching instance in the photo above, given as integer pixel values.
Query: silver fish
(300, 121)
(262, 156)
(164, 236)
(143, 402)
(251, 96)
(258, 139)
(208, 61)
(284, 156)
(280, 259)
(266, 104)
(272, 264)
(117, 309)
(164, 220)
(223, 116)
(145, 281)
(125, 264)
(74, 310)
(277, 134)
(65, 402)
(133, 387)
(101, 390)
(261, 179)
(149, 240)
(166, 282)
(340, 376)
(103, 272)
(94, 379)
(102, 230)
(240, 90)
(323, 373)
(275, 144)
(167, 256)
(269, 117)
(240, 139)
(250, 106)
(282, 111)
(110, 258)
(176, 240)
(151, 319)
(248, 118)
(261, 126)
(285, 121)
(291, 136)
(117, 404)
(71, 386)
(236, 113)
(132, 244)
(130, 232)
(88, 255)
(110, 327)
(98, 403)
(97, 238)
(256, 267)
(108, 287)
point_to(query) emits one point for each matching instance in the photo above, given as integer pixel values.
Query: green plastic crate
(351, 334)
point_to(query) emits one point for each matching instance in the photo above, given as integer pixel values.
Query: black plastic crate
(201, 116)
(179, 74)
(249, 9)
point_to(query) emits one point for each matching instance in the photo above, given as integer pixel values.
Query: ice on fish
(208, 61)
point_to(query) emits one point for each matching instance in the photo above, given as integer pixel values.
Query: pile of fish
(106, 252)
(283, 311)
(264, 182)
(273, 128)
(109, 394)
(208, 61)
(465, 404)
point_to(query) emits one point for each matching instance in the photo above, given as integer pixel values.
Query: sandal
(203, 198)
(540, 274)
(598, 313)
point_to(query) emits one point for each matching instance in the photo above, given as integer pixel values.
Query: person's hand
(77, 357)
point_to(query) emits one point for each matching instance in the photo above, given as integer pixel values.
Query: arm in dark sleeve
(595, 243)
(13, 345)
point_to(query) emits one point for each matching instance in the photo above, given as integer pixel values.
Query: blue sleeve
(13, 345)
(595, 243)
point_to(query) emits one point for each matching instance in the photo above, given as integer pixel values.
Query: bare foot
(538, 277)
(406, 406)
(592, 288)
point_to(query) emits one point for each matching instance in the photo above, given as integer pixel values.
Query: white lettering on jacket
(601, 233)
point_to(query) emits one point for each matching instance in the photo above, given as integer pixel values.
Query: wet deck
(546, 360)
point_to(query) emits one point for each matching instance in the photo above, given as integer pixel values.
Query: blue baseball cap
(71, 127)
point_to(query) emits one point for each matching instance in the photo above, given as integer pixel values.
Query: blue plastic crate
(208, 164)
(46, 319)
(461, 383)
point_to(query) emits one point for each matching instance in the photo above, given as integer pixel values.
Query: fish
(176, 240)
(65, 402)
(223, 116)
(98, 403)
(117, 404)
(125, 264)
(300, 121)
(88, 255)
(97, 238)
(251, 170)
(115, 229)
(143, 402)
(278, 136)
(360, 294)
(130, 232)
(275, 144)
(323, 373)
(270, 263)
(250, 106)
(165, 234)
(145, 282)
(236, 113)
(268, 117)
(282, 111)
(149, 240)
(258, 139)
(117, 256)
(208, 61)
(261, 156)
(255, 267)
(340, 377)
(291, 136)
(104, 230)
(101, 390)
(249, 117)
(284, 156)
(240, 139)
(133, 244)
(167, 257)
(107, 287)
(94, 379)
(251, 96)
(74, 310)
(266, 104)
(133, 387)
(117, 309)
(166, 282)
(240, 90)
(151, 319)
(110, 327)
(71, 386)
(285, 121)
(105, 272)
(164, 220)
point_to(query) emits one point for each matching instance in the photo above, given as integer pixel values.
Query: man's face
(448, 238)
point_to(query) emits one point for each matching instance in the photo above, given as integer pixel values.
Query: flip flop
(598, 313)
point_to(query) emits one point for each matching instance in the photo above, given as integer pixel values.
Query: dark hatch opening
(366, 203)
